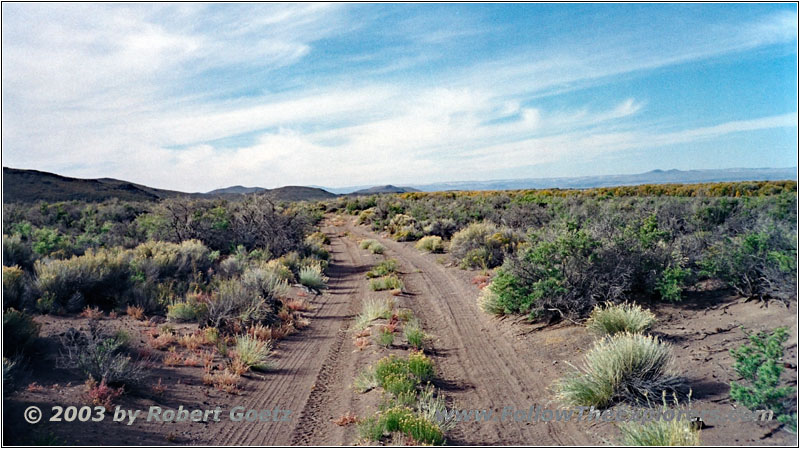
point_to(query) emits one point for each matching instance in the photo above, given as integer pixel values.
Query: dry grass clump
(622, 367)
(611, 319)
(373, 246)
(391, 282)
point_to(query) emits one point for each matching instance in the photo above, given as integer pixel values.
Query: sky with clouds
(195, 97)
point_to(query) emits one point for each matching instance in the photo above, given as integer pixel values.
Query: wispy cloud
(333, 94)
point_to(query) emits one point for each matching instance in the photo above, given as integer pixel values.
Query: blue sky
(199, 96)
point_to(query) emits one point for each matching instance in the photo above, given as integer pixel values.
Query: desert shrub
(98, 277)
(489, 301)
(10, 369)
(611, 319)
(161, 260)
(193, 309)
(421, 366)
(563, 275)
(756, 264)
(19, 332)
(404, 228)
(372, 245)
(414, 334)
(253, 352)
(660, 432)
(311, 276)
(49, 241)
(17, 252)
(391, 282)
(231, 267)
(269, 280)
(366, 216)
(100, 356)
(234, 302)
(670, 284)
(483, 244)
(403, 420)
(318, 238)
(622, 367)
(440, 227)
(384, 268)
(385, 337)
(16, 288)
(371, 310)
(431, 244)
(365, 381)
(760, 363)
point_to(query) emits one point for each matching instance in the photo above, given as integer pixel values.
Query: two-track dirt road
(482, 367)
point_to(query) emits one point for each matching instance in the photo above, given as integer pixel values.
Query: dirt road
(482, 366)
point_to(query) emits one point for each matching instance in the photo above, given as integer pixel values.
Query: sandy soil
(483, 363)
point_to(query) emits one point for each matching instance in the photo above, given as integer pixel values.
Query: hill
(25, 186)
(22, 186)
(384, 189)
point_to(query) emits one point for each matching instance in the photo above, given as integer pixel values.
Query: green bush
(756, 264)
(371, 310)
(384, 268)
(614, 318)
(483, 245)
(391, 282)
(19, 332)
(431, 244)
(233, 302)
(404, 228)
(760, 363)
(403, 420)
(421, 366)
(624, 366)
(670, 285)
(17, 252)
(676, 432)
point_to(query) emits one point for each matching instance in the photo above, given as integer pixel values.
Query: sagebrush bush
(19, 332)
(431, 244)
(622, 367)
(390, 282)
(610, 319)
(404, 228)
(16, 288)
(100, 356)
(489, 301)
(17, 252)
(254, 353)
(483, 245)
(311, 276)
(234, 302)
(161, 260)
(193, 309)
(98, 277)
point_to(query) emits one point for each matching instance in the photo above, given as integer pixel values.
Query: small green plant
(404, 420)
(431, 244)
(414, 334)
(421, 366)
(385, 337)
(384, 268)
(622, 367)
(399, 384)
(391, 282)
(661, 432)
(186, 311)
(253, 352)
(670, 284)
(760, 363)
(311, 276)
(611, 319)
(373, 246)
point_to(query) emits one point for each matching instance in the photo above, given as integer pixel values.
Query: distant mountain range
(651, 177)
(32, 185)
